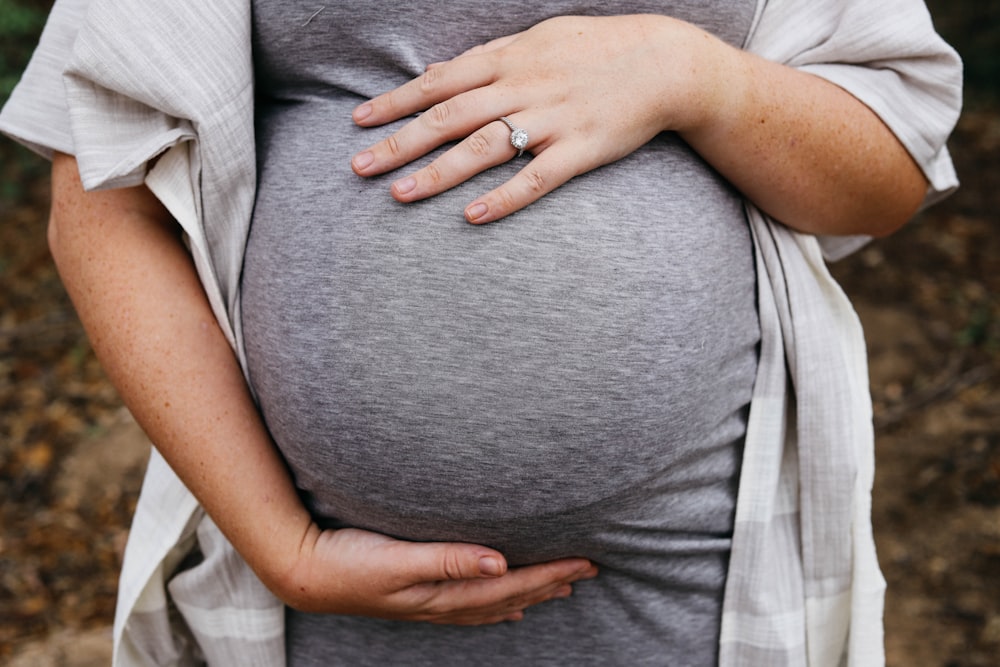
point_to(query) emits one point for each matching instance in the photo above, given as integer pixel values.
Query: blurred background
(71, 458)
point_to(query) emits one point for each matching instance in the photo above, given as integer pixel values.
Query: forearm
(137, 293)
(139, 298)
(802, 149)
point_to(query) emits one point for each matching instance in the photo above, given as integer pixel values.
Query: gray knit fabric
(572, 381)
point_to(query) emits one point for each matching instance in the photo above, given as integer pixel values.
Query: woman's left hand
(588, 90)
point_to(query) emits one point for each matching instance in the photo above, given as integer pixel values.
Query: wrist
(716, 88)
(282, 560)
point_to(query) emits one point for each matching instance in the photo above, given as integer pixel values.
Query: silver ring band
(518, 136)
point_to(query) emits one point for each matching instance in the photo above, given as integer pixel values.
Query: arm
(591, 90)
(805, 151)
(136, 290)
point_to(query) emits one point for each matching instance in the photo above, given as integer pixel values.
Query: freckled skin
(138, 295)
(802, 149)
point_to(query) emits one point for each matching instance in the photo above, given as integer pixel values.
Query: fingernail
(490, 567)
(364, 160)
(476, 211)
(404, 185)
(363, 111)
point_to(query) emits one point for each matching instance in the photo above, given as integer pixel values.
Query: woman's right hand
(357, 572)
(133, 283)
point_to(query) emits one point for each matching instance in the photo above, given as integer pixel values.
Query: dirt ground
(930, 300)
(71, 458)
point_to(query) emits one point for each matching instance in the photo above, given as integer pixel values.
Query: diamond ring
(518, 136)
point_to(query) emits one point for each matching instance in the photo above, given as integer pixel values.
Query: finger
(492, 45)
(444, 561)
(506, 610)
(518, 589)
(452, 119)
(547, 171)
(437, 609)
(478, 49)
(487, 147)
(556, 591)
(551, 574)
(491, 619)
(468, 116)
(435, 85)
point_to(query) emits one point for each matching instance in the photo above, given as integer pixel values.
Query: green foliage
(973, 28)
(20, 24)
(981, 330)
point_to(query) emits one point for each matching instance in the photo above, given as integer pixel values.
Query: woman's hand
(135, 288)
(350, 571)
(590, 90)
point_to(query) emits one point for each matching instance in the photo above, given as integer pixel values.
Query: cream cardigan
(144, 79)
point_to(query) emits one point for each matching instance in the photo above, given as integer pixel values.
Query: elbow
(883, 230)
(892, 201)
(888, 224)
(900, 207)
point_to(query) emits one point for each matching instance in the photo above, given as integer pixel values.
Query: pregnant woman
(572, 382)
(431, 432)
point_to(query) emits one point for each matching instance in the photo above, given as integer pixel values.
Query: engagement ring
(518, 136)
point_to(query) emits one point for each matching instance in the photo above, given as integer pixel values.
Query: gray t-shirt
(572, 381)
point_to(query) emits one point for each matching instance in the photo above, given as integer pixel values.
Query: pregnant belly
(435, 380)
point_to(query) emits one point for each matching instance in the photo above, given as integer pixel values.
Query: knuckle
(429, 79)
(386, 104)
(480, 145)
(435, 610)
(505, 199)
(536, 180)
(439, 115)
(452, 565)
(392, 145)
(433, 174)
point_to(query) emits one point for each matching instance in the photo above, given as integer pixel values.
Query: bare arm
(804, 150)
(136, 290)
(591, 90)
(121, 258)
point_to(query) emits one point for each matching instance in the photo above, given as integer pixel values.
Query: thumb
(442, 561)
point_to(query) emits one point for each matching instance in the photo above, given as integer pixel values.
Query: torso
(572, 381)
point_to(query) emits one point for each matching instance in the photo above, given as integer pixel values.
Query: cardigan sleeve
(36, 114)
(52, 108)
